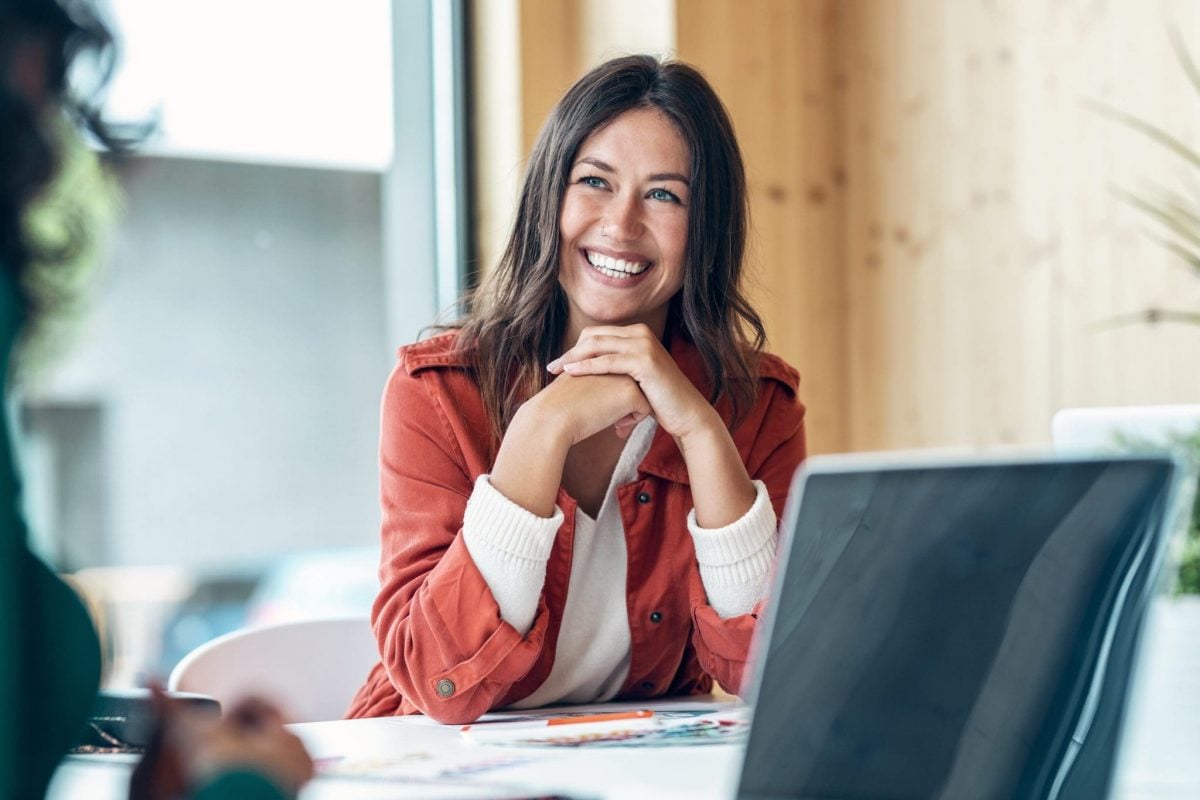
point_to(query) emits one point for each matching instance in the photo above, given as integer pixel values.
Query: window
(299, 216)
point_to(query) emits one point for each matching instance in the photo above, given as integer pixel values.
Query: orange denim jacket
(445, 651)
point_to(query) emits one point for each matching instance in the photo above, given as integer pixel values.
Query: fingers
(188, 748)
(160, 773)
(251, 735)
(625, 425)
(632, 339)
(588, 348)
(607, 364)
(164, 706)
(583, 405)
(301, 760)
(254, 712)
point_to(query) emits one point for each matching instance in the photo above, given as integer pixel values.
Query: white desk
(424, 748)
(392, 755)
(1160, 758)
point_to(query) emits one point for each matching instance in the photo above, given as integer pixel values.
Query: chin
(610, 316)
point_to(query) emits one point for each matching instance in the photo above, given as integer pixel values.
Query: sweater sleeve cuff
(735, 561)
(510, 547)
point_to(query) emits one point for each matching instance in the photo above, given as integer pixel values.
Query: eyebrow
(658, 176)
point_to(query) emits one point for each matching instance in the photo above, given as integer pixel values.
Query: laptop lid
(949, 630)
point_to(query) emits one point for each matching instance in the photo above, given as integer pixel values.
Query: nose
(623, 218)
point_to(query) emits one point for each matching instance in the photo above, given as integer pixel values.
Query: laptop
(962, 629)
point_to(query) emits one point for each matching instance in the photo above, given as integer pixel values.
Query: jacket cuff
(735, 560)
(510, 546)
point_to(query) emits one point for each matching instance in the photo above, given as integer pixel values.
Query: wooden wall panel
(527, 53)
(773, 63)
(550, 45)
(941, 307)
(983, 245)
(1120, 55)
(935, 239)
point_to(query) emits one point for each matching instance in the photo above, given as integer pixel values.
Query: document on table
(433, 760)
(616, 728)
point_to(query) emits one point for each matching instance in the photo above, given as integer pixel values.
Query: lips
(615, 268)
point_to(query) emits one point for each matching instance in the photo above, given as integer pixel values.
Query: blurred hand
(190, 749)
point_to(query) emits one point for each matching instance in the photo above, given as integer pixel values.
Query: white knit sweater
(511, 547)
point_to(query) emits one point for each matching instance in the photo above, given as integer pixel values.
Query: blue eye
(663, 195)
(593, 181)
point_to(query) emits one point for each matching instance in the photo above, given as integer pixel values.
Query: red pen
(608, 716)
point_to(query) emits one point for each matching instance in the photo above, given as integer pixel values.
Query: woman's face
(623, 225)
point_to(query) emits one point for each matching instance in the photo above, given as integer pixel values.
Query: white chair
(310, 669)
(1118, 427)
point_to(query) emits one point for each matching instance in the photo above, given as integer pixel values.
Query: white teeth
(615, 267)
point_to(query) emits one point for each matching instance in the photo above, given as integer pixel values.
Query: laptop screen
(954, 631)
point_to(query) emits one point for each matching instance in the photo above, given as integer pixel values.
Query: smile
(615, 267)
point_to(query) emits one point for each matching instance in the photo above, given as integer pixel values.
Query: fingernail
(553, 365)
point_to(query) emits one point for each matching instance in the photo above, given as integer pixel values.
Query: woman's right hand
(529, 466)
(582, 405)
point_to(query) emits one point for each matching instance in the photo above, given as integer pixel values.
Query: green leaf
(1150, 316)
(1189, 257)
(1179, 221)
(1152, 132)
(1184, 57)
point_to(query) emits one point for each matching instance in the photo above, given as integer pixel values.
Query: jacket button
(445, 687)
(656, 616)
(643, 497)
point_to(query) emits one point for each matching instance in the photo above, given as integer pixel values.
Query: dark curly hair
(40, 40)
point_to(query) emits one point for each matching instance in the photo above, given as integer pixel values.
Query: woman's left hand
(634, 350)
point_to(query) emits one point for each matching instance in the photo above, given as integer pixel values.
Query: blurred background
(939, 245)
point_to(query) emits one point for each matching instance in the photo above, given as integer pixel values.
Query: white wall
(238, 347)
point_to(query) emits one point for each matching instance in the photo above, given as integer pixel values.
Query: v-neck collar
(626, 470)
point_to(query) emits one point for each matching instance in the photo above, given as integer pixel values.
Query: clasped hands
(614, 377)
(617, 376)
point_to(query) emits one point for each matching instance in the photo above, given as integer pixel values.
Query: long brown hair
(518, 316)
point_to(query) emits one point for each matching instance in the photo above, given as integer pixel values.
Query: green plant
(1176, 219)
(1175, 215)
(1187, 447)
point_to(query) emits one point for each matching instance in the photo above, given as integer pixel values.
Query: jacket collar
(663, 459)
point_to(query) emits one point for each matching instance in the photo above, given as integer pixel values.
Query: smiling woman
(623, 224)
(581, 481)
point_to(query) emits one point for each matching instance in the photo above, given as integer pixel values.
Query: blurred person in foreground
(49, 652)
